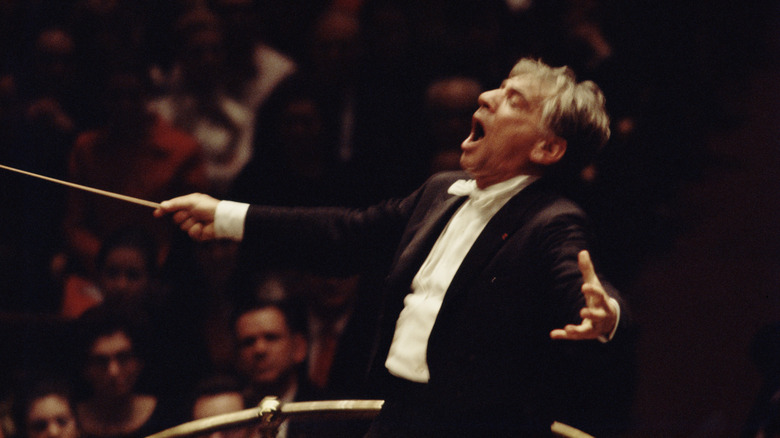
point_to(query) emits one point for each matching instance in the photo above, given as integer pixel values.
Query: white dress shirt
(407, 356)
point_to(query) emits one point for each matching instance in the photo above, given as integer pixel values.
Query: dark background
(688, 208)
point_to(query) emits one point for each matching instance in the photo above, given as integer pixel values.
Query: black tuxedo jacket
(489, 354)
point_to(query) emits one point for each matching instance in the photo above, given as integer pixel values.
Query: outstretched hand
(600, 314)
(194, 213)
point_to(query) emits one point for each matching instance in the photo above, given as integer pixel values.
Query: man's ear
(548, 151)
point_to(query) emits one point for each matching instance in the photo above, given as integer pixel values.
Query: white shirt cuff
(229, 220)
(605, 339)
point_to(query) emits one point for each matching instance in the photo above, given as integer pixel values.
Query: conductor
(488, 270)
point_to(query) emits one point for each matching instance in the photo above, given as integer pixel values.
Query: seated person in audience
(137, 154)
(216, 396)
(271, 349)
(196, 99)
(126, 273)
(46, 411)
(112, 365)
(338, 318)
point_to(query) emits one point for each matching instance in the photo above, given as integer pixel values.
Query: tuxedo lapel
(496, 233)
(414, 253)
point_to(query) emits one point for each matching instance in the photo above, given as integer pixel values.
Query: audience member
(136, 153)
(110, 36)
(48, 117)
(271, 348)
(271, 351)
(112, 360)
(219, 395)
(46, 410)
(126, 274)
(338, 318)
(256, 68)
(295, 164)
(129, 280)
(197, 99)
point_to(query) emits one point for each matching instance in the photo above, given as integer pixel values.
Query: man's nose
(489, 98)
(54, 429)
(260, 346)
(113, 367)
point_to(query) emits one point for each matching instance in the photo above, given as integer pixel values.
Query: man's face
(112, 367)
(505, 130)
(267, 350)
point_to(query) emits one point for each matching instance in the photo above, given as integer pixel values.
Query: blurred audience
(137, 154)
(43, 119)
(291, 103)
(196, 99)
(295, 164)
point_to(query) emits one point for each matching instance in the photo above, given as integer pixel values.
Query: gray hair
(574, 111)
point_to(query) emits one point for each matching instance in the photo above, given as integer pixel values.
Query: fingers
(176, 204)
(194, 213)
(573, 332)
(586, 267)
(598, 315)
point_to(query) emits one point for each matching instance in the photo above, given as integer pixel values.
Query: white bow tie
(462, 187)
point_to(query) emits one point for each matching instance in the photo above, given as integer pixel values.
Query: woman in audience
(47, 411)
(112, 367)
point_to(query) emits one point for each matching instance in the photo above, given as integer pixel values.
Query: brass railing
(270, 414)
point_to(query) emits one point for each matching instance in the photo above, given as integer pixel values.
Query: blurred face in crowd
(51, 416)
(300, 129)
(218, 404)
(329, 296)
(204, 57)
(336, 47)
(112, 367)
(506, 132)
(53, 58)
(125, 103)
(268, 351)
(125, 273)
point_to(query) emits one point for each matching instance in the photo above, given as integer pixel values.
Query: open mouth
(477, 130)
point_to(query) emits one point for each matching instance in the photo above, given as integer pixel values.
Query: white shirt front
(407, 356)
